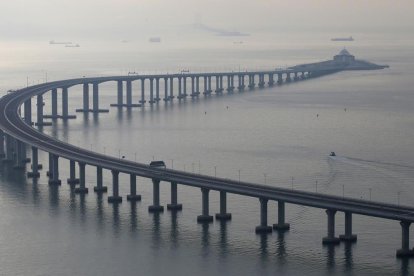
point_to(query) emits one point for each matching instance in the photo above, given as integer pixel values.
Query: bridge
(18, 133)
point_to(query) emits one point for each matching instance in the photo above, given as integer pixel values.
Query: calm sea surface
(280, 136)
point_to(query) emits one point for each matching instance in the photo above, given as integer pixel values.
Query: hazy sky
(28, 19)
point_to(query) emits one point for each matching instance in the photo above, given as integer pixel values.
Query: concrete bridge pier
(115, 198)
(405, 250)
(39, 105)
(348, 236)
(205, 217)
(151, 101)
(330, 238)
(54, 101)
(180, 96)
(205, 85)
(223, 215)
(217, 84)
(28, 111)
(263, 227)
(251, 82)
(156, 207)
(86, 97)
(295, 78)
(157, 90)
(35, 164)
(279, 78)
(174, 206)
(2, 151)
(303, 75)
(142, 101)
(209, 90)
(261, 81)
(54, 170)
(193, 92)
(171, 89)
(50, 171)
(229, 84)
(184, 94)
(166, 98)
(99, 188)
(271, 80)
(120, 92)
(72, 180)
(65, 105)
(221, 84)
(82, 185)
(281, 225)
(95, 99)
(20, 160)
(128, 94)
(197, 90)
(288, 78)
(85, 93)
(10, 149)
(133, 189)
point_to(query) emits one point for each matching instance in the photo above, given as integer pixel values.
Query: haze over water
(366, 117)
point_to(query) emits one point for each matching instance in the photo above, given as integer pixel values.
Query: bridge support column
(54, 104)
(279, 78)
(223, 215)
(221, 84)
(179, 88)
(72, 180)
(288, 78)
(151, 101)
(35, 164)
(184, 94)
(166, 98)
(205, 216)
(217, 84)
(174, 206)
(330, 238)
(281, 225)
(99, 188)
(21, 159)
(197, 92)
(133, 189)
(171, 88)
(209, 90)
(156, 207)
(128, 94)
(10, 147)
(82, 185)
(54, 177)
(65, 104)
(142, 101)
(2, 151)
(251, 82)
(263, 227)
(115, 198)
(157, 90)
(405, 251)
(261, 81)
(205, 85)
(95, 98)
(348, 236)
(85, 97)
(39, 104)
(193, 94)
(271, 80)
(28, 111)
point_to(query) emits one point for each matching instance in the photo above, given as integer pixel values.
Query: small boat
(343, 39)
(332, 153)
